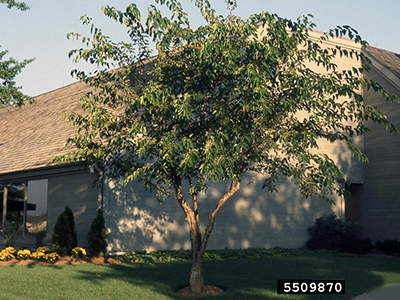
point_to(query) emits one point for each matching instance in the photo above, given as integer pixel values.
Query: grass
(254, 278)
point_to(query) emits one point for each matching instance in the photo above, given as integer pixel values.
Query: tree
(19, 5)
(9, 92)
(216, 103)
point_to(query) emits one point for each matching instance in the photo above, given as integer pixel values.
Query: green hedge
(226, 254)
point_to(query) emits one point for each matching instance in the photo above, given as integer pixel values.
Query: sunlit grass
(242, 279)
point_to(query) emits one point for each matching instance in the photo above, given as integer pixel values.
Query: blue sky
(41, 31)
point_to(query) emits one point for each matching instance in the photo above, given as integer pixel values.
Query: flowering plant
(10, 250)
(24, 254)
(38, 255)
(51, 257)
(78, 252)
(6, 254)
(44, 250)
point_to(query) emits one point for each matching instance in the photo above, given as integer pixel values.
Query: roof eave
(42, 172)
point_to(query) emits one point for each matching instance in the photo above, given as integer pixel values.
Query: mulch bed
(207, 290)
(65, 260)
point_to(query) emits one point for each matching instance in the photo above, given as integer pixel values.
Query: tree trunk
(196, 274)
(196, 277)
(199, 243)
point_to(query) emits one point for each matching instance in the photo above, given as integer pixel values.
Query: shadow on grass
(256, 279)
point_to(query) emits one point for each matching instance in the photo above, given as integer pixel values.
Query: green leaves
(19, 5)
(229, 97)
(9, 93)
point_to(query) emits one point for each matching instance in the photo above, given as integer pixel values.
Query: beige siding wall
(376, 204)
(76, 191)
(251, 218)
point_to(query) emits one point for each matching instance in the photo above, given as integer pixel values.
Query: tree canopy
(19, 5)
(9, 92)
(217, 102)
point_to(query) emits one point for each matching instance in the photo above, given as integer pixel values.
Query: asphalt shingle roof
(389, 59)
(31, 135)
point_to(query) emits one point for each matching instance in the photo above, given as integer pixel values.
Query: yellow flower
(10, 250)
(43, 250)
(5, 255)
(24, 254)
(51, 257)
(38, 255)
(78, 252)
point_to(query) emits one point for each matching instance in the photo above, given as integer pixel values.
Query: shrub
(358, 246)
(216, 255)
(97, 236)
(62, 238)
(71, 223)
(389, 247)
(332, 233)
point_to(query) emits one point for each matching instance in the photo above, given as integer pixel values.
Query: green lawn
(243, 279)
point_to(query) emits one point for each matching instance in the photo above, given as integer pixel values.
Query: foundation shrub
(71, 224)
(62, 240)
(388, 247)
(331, 233)
(97, 236)
(358, 246)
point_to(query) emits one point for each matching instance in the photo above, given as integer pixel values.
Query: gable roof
(387, 58)
(386, 63)
(32, 134)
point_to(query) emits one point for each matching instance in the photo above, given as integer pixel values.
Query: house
(251, 218)
(376, 200)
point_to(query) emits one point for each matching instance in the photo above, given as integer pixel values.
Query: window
(36, 219)
(23, 208)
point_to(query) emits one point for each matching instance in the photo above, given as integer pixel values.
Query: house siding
(251, 218)
(76, 191)
(375, 205)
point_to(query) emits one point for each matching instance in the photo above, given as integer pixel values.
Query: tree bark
(196, 274)
(196, 277)
(199, 243)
